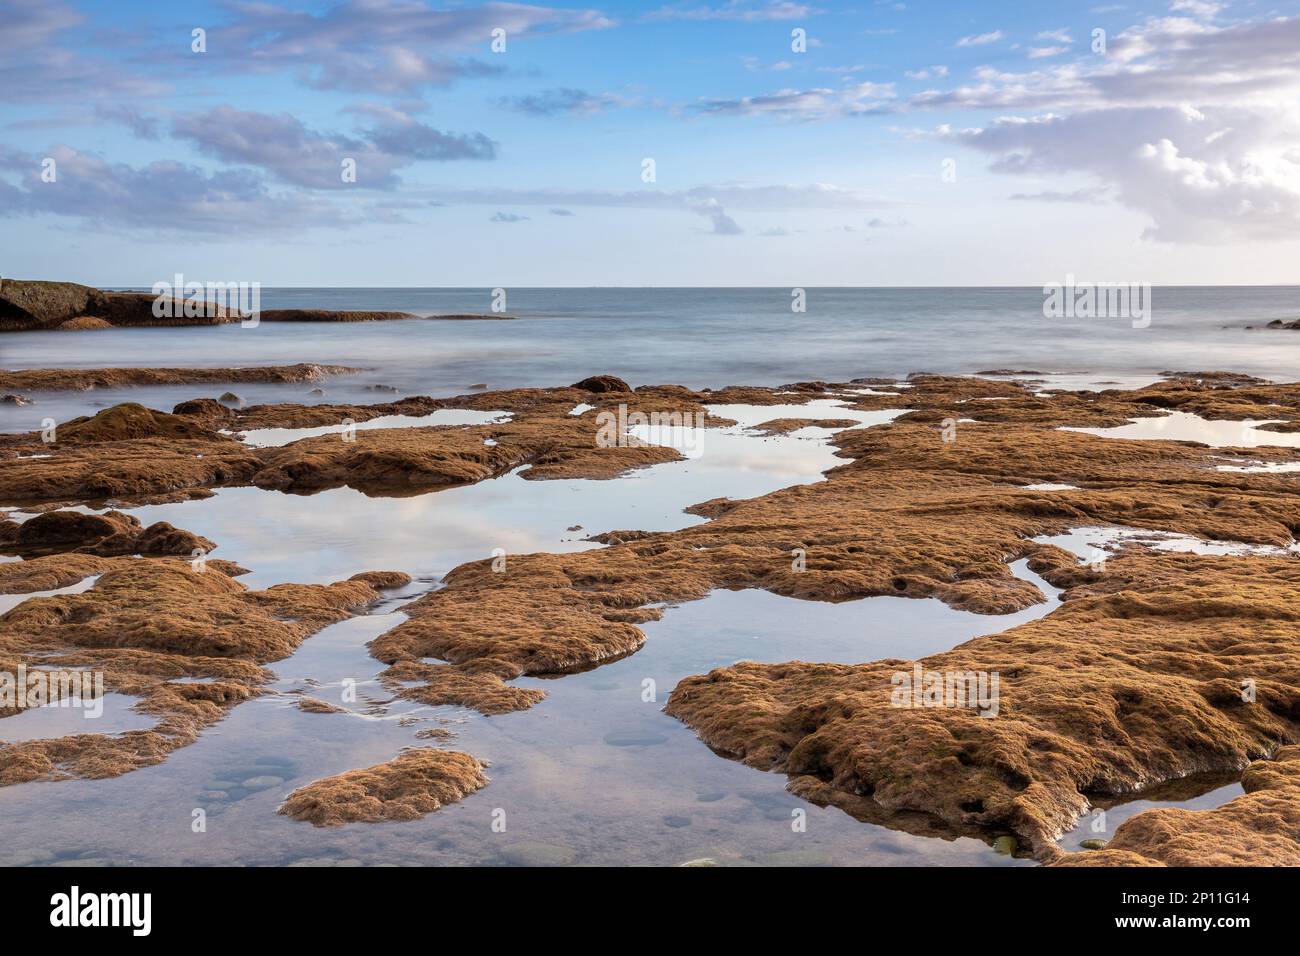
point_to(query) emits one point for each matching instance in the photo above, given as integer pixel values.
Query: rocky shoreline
(85, 379)
(34, 305)
(1135, 679)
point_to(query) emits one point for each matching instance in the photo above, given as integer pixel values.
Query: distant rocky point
(1276, 324)
(31, 305)
(330, 315)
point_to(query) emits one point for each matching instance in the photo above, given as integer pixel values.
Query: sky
(700, 143)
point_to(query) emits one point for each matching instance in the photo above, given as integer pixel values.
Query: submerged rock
(472, 317)
(64, 379)
(144, 622)
(536, 853)
(314, 705)
(331, 315)
(83, 323)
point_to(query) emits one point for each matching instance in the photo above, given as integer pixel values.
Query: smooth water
(694, 337)
(594, 774)
(1184, 426)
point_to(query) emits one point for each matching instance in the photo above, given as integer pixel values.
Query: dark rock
(203, 408)
(108, 534)
(43, 305)
(130, 420)
(603, 383)
(136, 309)
(331, 315)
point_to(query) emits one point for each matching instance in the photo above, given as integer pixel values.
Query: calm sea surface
(696, 337)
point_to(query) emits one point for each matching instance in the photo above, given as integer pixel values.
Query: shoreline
(908, 513)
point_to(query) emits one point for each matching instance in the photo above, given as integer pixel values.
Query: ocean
(695, 337)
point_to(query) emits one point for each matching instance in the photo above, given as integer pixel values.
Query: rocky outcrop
(603, 383)
(1135, 680)
(416, 782)
(131, 421)
(473, 317)
(144, 309)
(108, 534)
(331, 315)
(29, 305)
(62, 379)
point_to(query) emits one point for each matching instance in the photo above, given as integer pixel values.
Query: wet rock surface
(417, 781)
(61, 379)
(196, 446)
(1261, 828)
(152, 626)
(329, 315)
(108, 534)
(1134, 680)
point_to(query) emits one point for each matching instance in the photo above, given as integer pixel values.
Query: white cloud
(858, 99)
(564, 100)
(1194, 124)
(1160, 62)
(1197, 8)
(1209, 175)
(981, 39)
(282, 145)
(735, 10)
(731, 195)
(166, 197)
(381, 46)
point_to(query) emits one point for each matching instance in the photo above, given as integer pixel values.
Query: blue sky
(911, 143)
